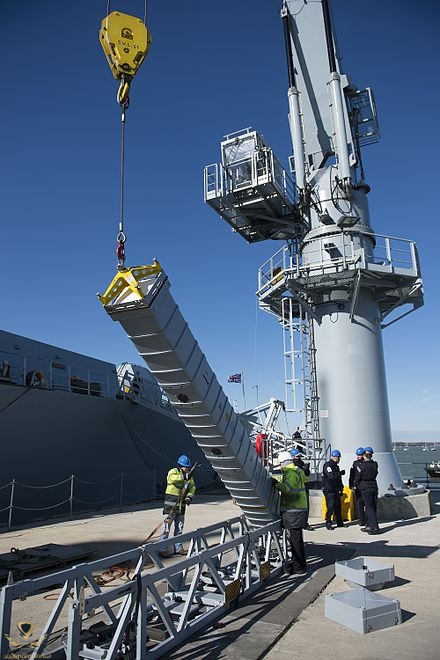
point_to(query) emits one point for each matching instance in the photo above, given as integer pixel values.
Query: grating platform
(21, 563)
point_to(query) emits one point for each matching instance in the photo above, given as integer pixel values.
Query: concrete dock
(287, 617)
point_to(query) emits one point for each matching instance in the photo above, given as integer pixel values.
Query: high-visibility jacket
(293, 488)
(177, 490)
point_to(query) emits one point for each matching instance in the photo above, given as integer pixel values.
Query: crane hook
(120, 250)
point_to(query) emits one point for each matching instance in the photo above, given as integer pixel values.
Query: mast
(345, 278)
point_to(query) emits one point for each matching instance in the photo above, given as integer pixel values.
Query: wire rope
(145, 10)
(124, 103)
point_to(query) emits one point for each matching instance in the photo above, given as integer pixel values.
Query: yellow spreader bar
(128, 279)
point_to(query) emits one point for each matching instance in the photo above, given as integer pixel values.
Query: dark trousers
(297, 549)
(369, 497)
(333, 502)
(360, 506)
(308, 504)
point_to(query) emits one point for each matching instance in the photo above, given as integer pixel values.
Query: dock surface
(287, 616)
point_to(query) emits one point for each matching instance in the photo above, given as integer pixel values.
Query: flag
(235, 378)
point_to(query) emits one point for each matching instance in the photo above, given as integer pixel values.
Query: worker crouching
(293, 510)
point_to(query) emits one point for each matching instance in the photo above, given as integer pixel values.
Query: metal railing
(225, 563)
(417, 472)
(257, 169)
(390, 255)
(35, 372)
(45, 373)
(74, 496)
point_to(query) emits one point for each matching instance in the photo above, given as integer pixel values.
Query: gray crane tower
(335, 283)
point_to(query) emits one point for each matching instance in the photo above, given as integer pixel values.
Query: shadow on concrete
(381, 548)
(256, 624)
(397, 582)
(406, 615)
(387, 527)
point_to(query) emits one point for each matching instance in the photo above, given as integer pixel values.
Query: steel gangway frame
(142, 618)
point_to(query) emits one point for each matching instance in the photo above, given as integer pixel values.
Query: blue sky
(213, 68)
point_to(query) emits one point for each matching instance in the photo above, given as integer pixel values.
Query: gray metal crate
(364, 572)
(363, 611)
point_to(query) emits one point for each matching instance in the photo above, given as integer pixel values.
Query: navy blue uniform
(333, 488)
(360, 506)
(305, 467)
(365, 482)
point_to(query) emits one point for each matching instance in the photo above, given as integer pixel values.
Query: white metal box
(363, 611)
(364, 572)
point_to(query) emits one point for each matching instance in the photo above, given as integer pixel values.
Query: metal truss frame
(160, 606)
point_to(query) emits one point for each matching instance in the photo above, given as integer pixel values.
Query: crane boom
(140, 299)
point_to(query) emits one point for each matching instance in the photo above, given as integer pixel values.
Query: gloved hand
(187, 501)
(342, 472)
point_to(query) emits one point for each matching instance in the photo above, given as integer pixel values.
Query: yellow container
(348, 505)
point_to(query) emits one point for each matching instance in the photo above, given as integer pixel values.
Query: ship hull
(64, 453)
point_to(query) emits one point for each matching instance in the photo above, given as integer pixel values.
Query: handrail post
(121, 491)
(388, 253)
(413, 258)
(72, 477)
(344, 255)
(11, 503)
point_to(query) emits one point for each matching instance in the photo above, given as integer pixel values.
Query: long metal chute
(140, 300)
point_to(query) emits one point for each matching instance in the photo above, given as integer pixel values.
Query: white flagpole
(244, 391)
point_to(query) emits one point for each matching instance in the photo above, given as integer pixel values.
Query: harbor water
(412, 460)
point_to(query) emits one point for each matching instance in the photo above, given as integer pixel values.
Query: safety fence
(24, 503)
(390, 255)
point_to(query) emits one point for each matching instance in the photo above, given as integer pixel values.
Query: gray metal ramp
(142, 303)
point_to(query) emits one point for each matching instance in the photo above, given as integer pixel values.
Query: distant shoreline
(416, 443)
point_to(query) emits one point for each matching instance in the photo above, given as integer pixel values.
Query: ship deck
(289, 612)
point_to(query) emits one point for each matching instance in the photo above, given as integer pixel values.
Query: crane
(328, 273)
(335, 282)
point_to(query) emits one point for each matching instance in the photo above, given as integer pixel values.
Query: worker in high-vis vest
(294, 510)
(179, 493)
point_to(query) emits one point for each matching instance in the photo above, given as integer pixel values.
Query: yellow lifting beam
(128, 279)
(125, 40)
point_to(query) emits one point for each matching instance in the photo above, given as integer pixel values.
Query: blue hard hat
(370, 450)
(295, 452)
(184, 461)
(359, 451)
(336, 452)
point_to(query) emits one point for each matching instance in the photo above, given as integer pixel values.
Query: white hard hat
(284, 456)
